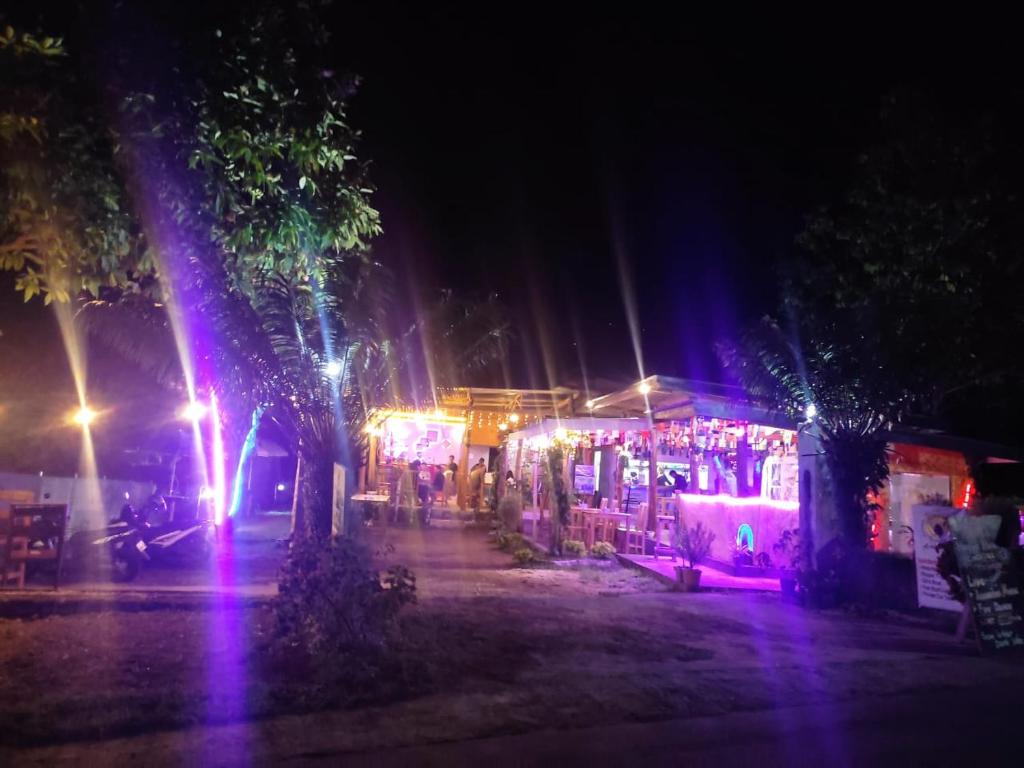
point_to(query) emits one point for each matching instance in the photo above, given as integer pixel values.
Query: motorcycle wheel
(123, 567)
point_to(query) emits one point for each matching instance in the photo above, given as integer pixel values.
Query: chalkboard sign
(991, 582)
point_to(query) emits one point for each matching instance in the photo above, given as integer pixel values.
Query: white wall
(91, 503)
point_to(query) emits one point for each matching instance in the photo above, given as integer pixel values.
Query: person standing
(476, 486)
(450, 473)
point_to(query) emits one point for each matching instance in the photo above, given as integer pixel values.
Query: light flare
(217, 458)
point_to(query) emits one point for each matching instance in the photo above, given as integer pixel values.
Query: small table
(374, 500)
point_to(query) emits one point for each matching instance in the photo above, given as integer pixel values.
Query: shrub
(602, 550)
(335, 610)
(513, 541)
(574, 548)
(524, 556)
(694, 543)
(510, 513)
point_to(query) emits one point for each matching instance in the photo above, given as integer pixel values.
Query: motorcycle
(120, 545)
(175, 542)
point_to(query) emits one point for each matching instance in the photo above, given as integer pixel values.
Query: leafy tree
(901, 296)
(925, 254)
(65, 224)
(234, 200)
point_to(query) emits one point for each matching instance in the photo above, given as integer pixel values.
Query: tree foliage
(65, 220)
(924, 257)
(219, 198)
(901, 296)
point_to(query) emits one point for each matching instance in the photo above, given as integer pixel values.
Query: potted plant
(741, 555)
(694, 544)
(787, 552)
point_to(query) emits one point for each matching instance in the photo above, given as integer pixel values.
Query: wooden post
(298, 524)
(519, 466)
(462, 481)
(371, 465)
(536, 462)
(652, 483)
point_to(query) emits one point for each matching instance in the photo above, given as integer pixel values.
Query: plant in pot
(787, 554)
(694, 544)
(741, 555)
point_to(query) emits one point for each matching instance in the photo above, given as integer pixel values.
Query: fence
(91, 501)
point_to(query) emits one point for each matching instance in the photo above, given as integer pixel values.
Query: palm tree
(835, 383)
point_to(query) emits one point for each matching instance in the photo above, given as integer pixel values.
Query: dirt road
(548, 659)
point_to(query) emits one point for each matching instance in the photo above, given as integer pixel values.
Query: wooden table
(598, 518)
(375, 502)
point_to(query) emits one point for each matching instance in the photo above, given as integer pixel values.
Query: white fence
(91, 502)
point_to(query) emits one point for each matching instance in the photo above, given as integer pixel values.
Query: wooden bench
(32, 533)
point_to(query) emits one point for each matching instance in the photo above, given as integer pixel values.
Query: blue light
(745, 534)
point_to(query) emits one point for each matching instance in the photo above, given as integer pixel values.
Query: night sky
(528, 152)
(574, 161)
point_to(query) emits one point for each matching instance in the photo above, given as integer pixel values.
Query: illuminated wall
(411, 438)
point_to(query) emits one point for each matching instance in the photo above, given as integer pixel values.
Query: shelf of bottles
(706, 451)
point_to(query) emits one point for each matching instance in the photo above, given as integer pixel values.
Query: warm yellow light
(590, 404)
(503, 426)
(84, 416)
(561, 433)
(644, 388)
(514, 418)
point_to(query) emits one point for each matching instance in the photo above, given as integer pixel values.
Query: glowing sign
(745, 536)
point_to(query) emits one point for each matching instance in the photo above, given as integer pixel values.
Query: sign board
(584, 479)
(991, 583)
(338, 502)
(931, 526)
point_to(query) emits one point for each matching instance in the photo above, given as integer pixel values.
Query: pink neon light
(738, 501)
(217, 451)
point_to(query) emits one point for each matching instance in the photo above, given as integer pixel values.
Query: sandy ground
(543, 650)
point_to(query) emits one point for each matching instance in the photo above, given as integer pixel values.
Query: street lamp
(194, 411)
(84, 416)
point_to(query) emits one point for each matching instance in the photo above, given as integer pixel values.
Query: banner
(931, 525)
(338, 503)
(584, 480)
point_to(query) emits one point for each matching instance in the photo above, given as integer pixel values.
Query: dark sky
(528, 151)
(576, 160)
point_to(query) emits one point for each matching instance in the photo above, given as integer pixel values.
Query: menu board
(931, 526)
(991, 582)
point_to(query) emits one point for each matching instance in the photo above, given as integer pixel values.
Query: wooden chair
(34, 533)
(636, 531)
(577, 523)
(665, 524)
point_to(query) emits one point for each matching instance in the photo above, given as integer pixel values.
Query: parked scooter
(175, 542)
(119, 546)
